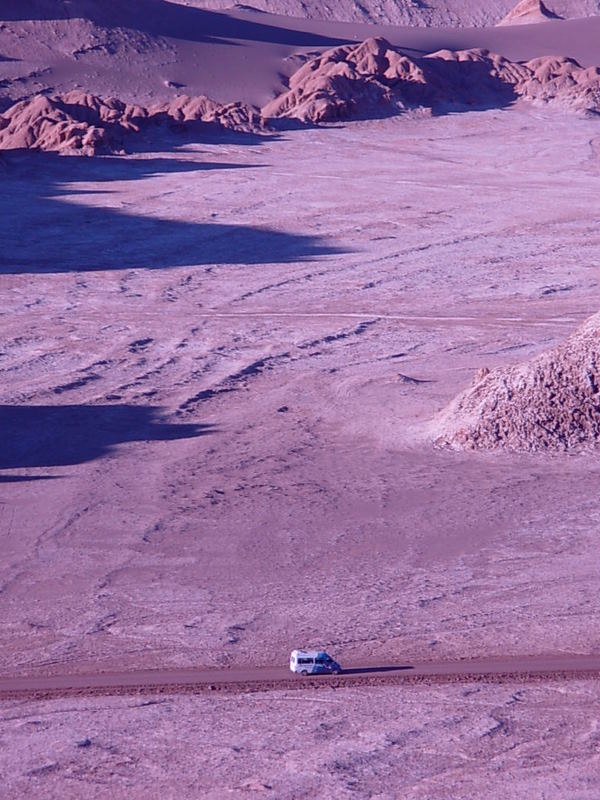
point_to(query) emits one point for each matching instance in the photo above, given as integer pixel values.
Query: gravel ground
(218, 368)
(516, 741)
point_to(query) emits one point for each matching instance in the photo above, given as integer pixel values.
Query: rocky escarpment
(374, 79)
(551, 403)
(368, 80)
(82, 123)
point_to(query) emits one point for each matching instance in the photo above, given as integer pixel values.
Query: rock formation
(83, 123)
(551, 403)
(375, 79)
(349, 82)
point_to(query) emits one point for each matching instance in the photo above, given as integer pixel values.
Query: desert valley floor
(220, 378)
(169, 408)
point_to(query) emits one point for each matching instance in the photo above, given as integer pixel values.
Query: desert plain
(224, 355)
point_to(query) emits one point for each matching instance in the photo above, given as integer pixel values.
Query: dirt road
(266, 678)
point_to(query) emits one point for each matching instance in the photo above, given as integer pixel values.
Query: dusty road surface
(275, 678)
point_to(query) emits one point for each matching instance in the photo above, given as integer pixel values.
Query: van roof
(309, 653)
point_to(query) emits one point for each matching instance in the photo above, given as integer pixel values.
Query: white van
(313, 662)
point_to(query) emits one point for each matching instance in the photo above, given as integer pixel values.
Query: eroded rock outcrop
(349, 82)
(375, 79)
(528, 12)
(551, 403)
(78, 122)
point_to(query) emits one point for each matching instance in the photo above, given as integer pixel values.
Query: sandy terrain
(515, 741)
(229, 456)
(221, 356)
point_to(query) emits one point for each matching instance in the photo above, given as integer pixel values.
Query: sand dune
(549, 403)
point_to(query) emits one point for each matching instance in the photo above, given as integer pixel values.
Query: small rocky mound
(551, 403)
(528, 12)
(74, 122)
(83, 123)
(231, 116)
(376, 79)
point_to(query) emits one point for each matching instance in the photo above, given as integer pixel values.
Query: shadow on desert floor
(58, 436)
(44, 231)
(27, 478)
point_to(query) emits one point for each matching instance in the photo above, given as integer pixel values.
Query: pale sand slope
(528, 12)
(465, 13)
(235, 345)
(420, 743)
(148, 50)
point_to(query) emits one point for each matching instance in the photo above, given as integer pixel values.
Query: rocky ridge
(371, 79)
(82, 123)
(375, 78)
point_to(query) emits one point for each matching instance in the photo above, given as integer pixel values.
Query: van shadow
(43, 230)
(59, 436)
(376, 670)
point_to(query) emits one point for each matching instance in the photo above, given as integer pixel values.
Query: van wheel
(304, 673)
(337, 671)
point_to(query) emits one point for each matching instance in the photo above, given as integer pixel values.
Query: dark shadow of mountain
(166, 135)
(57, 436)
(461, 86)
(43, 232)
(160, 18)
